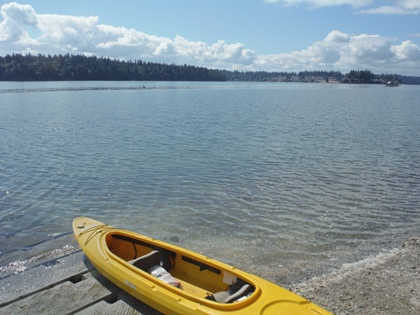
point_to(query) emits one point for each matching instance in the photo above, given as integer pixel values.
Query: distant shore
(19, 67)
(387, 284)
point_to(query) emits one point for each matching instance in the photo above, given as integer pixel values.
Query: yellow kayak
(175, 280)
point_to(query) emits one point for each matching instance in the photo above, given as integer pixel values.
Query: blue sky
(270, 35)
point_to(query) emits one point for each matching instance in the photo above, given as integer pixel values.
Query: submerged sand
(388, 284)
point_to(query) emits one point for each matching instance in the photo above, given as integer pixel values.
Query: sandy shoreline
(388, 284)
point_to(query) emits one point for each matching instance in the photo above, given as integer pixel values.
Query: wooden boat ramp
(65, 285)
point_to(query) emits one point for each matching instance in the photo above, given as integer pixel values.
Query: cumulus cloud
(407, 51)
(15, 19)
(61, 34)
(345, 52)
(84, 35)
(401, 7)
(323, 3)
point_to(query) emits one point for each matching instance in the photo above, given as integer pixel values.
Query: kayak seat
(147, 261)
(234, 293)
(244, 291)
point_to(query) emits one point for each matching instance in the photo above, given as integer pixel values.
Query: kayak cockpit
(194, 275)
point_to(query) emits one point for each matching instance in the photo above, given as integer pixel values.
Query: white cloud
(323, 3)
(60, 34)
(340, 51)
(401, 7)
(407, 51)
(15, 18)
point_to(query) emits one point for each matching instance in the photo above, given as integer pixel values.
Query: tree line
(18, 67)
(264, 76)
(354, 76)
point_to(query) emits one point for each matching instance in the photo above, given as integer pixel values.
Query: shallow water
(283, 180)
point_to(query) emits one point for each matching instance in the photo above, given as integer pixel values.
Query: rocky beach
(388, 284)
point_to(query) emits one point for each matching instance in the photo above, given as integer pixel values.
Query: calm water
(282, 180)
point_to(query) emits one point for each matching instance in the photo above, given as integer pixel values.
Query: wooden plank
(66, 298)
(125, 305)
(43, 276)
(66, 285)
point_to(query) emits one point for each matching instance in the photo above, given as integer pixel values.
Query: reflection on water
(282, 180)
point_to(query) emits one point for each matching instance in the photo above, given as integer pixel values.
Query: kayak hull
(113, 250)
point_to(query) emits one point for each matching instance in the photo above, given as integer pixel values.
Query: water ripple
(298, 175)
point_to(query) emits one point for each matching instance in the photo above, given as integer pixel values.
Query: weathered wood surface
(66, 285)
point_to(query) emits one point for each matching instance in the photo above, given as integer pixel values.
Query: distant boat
(392, 84)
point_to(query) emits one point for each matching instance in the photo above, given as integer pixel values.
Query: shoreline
(387, 284)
